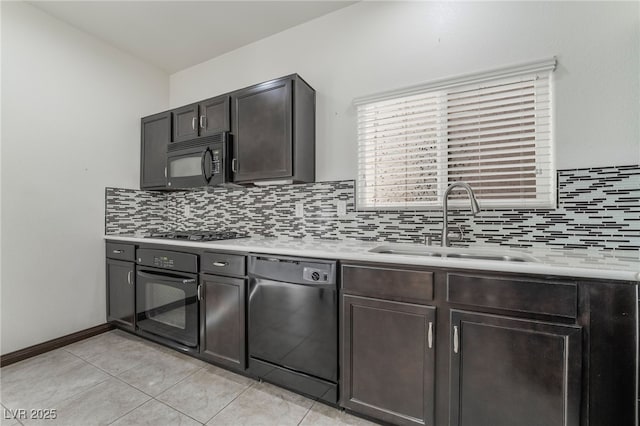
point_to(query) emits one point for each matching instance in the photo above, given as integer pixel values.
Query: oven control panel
(163, 262)
(166, 259)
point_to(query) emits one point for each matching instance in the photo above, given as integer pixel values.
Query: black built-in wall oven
(199, 162)
(167, 293)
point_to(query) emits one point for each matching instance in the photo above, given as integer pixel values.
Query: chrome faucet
(475, 209)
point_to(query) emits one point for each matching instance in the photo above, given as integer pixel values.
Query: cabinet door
(507, 371)
(222, 320)
(121, 292)
(214, 116)
(156, 134)
(388, 360)
(185, 123)
(262, 125)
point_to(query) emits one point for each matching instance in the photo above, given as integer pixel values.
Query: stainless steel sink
(455, 253)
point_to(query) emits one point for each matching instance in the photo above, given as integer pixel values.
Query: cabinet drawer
(224, 264)
(121, 251)
(537, 297)
(385, 283)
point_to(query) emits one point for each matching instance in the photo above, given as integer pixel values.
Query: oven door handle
(167, 277)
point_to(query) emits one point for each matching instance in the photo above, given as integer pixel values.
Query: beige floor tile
(114, 352)
(161, 371)
(203, 394)
(44, 381)
(100, 405)
(7, 418)
(9, 422)
(264, 405)
(154, 413)
(323, 415)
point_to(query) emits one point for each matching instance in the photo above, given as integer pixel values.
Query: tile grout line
(229, 403)
(175, 409)
(306, 414)
(118, 379)
(151, 397)
(179, 381)
(114, 376)
(155, 398)
(84, 390)
(133, 409)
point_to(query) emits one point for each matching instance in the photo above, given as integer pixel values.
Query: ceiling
(174, 35)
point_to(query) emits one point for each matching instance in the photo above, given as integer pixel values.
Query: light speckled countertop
(570, 263)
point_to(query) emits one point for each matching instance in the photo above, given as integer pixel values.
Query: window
(491, 130)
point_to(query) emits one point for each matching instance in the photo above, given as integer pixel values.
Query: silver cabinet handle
(456, 339)
(191, 281)
(118, 251)
(199, 291)
(220, 264)
(165, 172)
(129, 277)
(193, 122)
(234, 165)
(430, 335)
(203, 121)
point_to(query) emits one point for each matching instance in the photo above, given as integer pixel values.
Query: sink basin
(455, 253)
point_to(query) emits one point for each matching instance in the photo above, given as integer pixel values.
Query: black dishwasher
(293, 324)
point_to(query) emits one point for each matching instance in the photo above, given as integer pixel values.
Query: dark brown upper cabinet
(156, 134)
(274, 132)
(201, 119)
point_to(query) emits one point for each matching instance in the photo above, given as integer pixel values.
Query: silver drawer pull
(192, 281)
(118, 251)
(456, 339)
(221, 264)
(430, 335)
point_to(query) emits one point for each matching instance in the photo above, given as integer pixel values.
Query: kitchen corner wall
(598, 208)
(71, 108)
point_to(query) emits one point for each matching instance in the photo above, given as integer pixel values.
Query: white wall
(71, 108)
(376, 46)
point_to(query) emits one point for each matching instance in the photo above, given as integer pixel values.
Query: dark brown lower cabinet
(222, 320)
(121, 308)
(507, 371)
(388, 360)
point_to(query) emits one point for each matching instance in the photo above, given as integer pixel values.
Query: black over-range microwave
(199, 162)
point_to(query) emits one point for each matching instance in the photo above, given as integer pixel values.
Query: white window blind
(491, 130)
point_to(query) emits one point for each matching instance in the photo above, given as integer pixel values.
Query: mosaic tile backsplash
(598, 208)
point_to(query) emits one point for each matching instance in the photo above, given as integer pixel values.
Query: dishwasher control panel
(315, 275)
(293, 270)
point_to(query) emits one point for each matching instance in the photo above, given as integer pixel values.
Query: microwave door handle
(203, 167)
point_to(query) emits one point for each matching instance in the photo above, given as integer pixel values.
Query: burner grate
(199, 235)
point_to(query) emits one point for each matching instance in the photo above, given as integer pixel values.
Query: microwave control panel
(216, 161)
